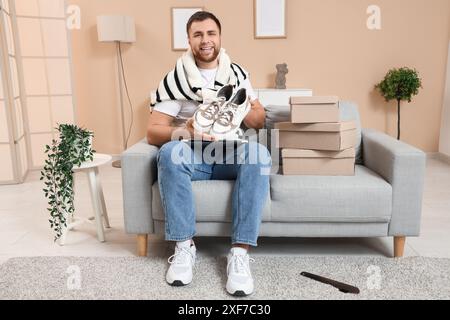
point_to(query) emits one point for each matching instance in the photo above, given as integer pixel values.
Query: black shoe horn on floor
(343, 287)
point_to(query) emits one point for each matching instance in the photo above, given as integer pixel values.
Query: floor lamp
(117, 29)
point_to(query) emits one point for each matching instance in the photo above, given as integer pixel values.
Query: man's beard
(198, 56)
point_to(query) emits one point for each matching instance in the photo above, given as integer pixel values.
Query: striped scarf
(185, 81)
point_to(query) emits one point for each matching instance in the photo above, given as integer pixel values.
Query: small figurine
(280, 81)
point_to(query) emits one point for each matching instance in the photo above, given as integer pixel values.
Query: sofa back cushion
(348, 111)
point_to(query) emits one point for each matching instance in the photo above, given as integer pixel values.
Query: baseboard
(439, 156)
(115, 157)
(443, 157)
(433, 155)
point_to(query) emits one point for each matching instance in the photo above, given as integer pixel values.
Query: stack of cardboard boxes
(315, 141)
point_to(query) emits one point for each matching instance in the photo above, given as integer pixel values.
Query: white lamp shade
(116, 28)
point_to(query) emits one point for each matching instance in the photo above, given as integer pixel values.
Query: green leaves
(400, 84)
(72, 148)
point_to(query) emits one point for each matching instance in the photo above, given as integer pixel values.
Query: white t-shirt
(182, 110)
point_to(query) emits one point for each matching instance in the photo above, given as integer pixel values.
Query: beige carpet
(276, 278)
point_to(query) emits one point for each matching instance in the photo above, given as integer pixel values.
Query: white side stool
(98, 201)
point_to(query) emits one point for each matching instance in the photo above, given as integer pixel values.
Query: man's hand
(160, 130)
(256, 117)
(195, 135)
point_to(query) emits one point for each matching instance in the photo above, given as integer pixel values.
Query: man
(179, 96)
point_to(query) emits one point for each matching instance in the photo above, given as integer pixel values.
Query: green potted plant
(73, 147)
(400, 84)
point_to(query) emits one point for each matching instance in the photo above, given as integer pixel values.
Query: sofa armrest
(139, 172)
(403, 166)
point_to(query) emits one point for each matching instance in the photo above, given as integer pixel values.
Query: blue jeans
(180, 163)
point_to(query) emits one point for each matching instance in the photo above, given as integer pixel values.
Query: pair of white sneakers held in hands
(239, 277)
(222, 116)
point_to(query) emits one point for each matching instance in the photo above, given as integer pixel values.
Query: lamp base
(117, 164)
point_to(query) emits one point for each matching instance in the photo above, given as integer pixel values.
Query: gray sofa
(383, 199)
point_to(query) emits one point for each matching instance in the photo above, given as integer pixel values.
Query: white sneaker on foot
(240, 280)
(181, 264)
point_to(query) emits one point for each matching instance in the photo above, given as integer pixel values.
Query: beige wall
(328, 49)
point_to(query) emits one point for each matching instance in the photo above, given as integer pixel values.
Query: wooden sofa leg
(399, 246)
(142, 245)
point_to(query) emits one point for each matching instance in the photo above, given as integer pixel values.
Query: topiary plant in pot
(73, 147)
(400, 84)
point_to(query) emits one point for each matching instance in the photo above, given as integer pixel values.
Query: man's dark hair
(202, 16)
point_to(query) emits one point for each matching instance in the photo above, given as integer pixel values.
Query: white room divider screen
(37, 83)
(13, 148)
(444, 140)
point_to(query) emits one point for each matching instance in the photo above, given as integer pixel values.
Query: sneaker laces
(181, 255)
(227, 114)
(239, 264)
(214, 107)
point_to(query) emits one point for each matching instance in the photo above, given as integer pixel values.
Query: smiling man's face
(204, 39)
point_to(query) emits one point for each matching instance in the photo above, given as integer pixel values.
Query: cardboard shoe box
(314, 109)
(321, 163)
(317, 136)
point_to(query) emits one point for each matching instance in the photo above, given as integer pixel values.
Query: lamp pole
(118, 29)
(118, 163)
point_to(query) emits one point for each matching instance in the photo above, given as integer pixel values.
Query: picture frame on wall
(179, 18)
(269, 19)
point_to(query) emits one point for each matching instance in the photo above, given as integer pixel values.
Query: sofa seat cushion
(364, 197)
(212, 201)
